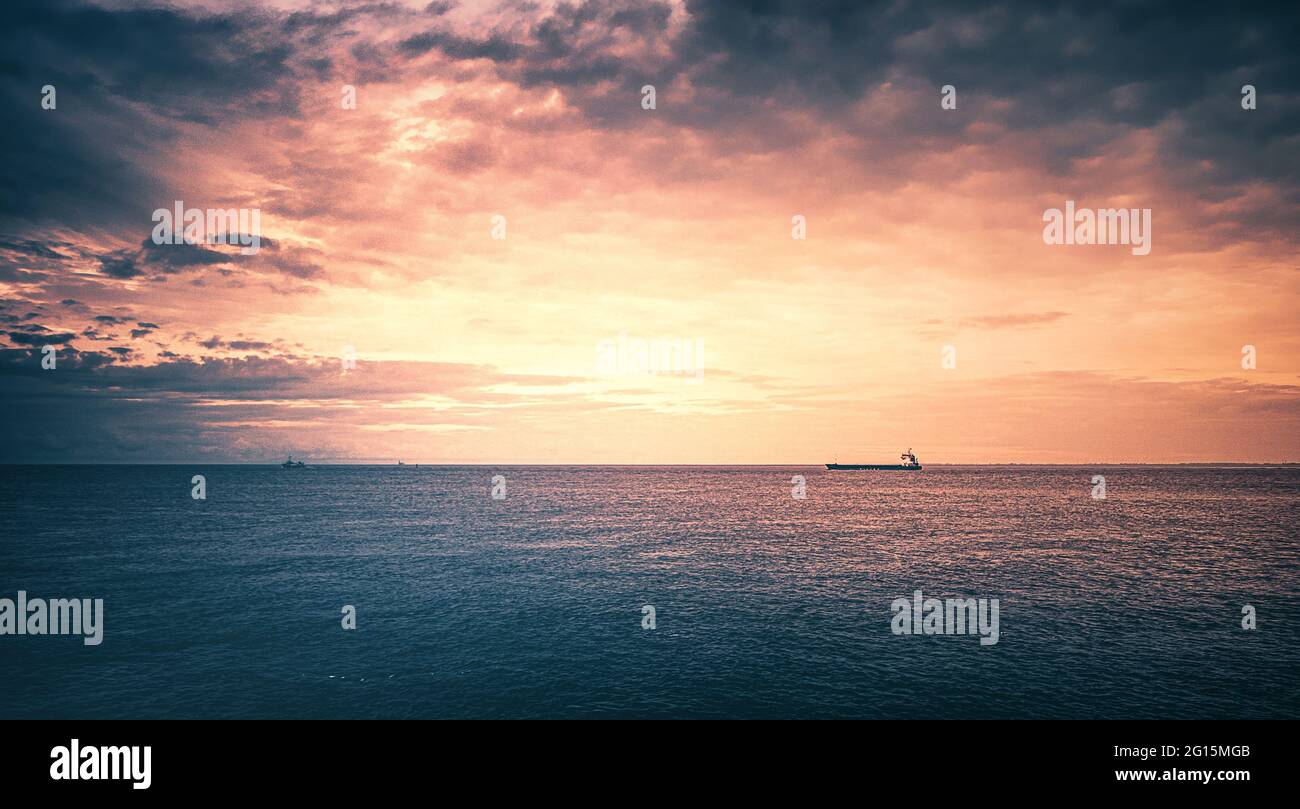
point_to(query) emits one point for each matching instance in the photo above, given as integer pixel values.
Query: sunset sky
(924, 230)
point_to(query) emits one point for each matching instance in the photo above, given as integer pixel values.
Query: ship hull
(858, 466)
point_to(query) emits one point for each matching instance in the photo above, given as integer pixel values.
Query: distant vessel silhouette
(292, 464)
(909, 463)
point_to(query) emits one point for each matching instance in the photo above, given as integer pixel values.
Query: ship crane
(909, 463)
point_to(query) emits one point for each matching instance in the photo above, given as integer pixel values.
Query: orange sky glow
(924, 234)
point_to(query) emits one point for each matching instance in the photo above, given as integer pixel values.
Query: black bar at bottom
(336, 758)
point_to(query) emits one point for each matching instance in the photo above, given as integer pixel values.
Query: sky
(478, 259)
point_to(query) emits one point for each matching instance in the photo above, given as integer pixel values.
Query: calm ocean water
(766, 606)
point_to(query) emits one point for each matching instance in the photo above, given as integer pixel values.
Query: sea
(653, 592)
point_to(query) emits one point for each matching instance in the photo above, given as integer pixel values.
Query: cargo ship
(909, 463)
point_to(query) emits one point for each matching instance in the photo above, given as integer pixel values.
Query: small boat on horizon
(292, 464)
(909, 463)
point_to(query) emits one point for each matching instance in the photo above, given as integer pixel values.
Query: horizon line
(394, 464)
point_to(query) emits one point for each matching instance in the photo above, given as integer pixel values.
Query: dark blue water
(766, 606)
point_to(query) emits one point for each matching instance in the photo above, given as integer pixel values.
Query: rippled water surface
(766, 606)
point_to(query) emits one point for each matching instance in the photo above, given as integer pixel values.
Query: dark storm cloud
(1024, 66)
(172, 258)
(145, 54)
(94, 406)
(33, 248)
(494, 47)
(154, 261)
(580, 44)
(241, 344)
(118, 73)
(118, 265)
(92, 373)
(39, 338)
(30, 259)
(1048, 64)
(1066, 57)
(322, 26)
(1078, 76)
(298, 262)
(815, 52)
